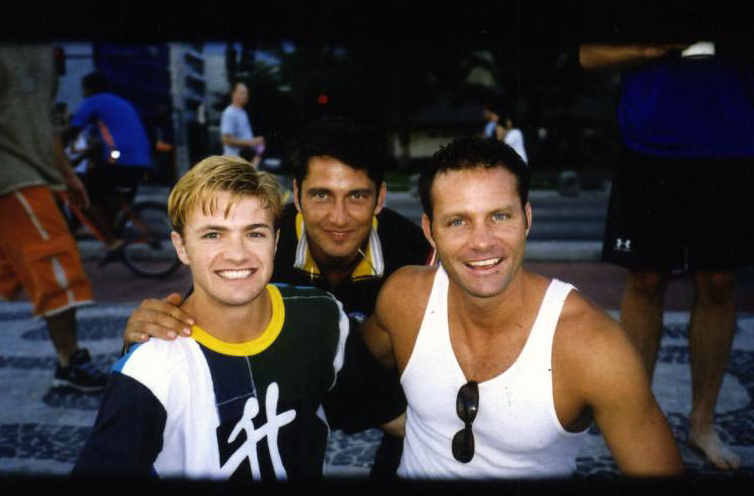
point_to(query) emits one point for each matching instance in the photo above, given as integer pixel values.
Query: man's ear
(427, 230)
(527, 210)
(381, 197)
(180, 248)
(277, 238)
(296, 200)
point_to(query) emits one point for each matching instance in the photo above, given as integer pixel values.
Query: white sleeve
(226, 123)
(515, 139)
(344, 326)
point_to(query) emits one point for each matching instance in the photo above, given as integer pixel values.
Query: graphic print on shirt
(240, 445)
(257, 420)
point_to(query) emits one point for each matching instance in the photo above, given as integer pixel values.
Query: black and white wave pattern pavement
(42, 430)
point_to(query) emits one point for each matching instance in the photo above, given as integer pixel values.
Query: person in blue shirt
(124, 154)
(680, 200)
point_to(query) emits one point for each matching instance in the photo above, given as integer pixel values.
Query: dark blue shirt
(689, 107)
(112, 115)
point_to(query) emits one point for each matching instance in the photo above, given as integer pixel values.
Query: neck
(489, 314)
(230, 323)
(336, 269)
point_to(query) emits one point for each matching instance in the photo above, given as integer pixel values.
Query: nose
(235, 249)
(338, 214)
(481, 236)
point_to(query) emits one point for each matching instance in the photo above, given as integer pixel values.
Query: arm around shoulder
(595, 56)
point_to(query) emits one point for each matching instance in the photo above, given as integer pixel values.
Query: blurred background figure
(120, 154)
(680, 200)
(235, 129)
(500, 125)
(37, 252)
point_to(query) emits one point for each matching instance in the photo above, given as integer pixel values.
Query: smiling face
(230, 257)
(479, 228)
(337, 203)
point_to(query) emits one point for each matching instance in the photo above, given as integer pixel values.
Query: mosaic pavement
(42, 430)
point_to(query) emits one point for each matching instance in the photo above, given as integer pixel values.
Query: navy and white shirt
(199, 407)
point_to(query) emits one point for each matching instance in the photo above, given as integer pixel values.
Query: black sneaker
(80, 374)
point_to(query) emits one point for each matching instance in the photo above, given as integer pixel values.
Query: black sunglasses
(467, 406)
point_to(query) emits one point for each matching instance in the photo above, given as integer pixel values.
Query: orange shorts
(38, 253)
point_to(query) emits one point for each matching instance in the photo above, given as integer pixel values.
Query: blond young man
(338, 236)
(241, 398)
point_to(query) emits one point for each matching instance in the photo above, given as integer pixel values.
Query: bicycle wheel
(148, 251)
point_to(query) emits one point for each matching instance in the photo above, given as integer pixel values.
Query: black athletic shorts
(667, 214)
(103, 180)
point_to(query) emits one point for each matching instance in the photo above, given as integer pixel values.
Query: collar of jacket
(372, 263)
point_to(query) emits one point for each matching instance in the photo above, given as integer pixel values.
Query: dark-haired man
(503, 369)
(336, 236)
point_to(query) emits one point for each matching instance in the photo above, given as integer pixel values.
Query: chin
(484, 290)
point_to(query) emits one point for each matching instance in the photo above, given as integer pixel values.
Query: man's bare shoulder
(583, 316)
(416, 276)
(406, 291)
(588, 338)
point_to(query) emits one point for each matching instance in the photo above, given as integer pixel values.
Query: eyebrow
(466, 213)
(249, 227)
(315, 190)
(363, 191)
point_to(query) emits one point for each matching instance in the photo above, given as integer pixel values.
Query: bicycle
(144, 228)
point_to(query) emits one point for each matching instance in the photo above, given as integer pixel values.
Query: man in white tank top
(503, 369)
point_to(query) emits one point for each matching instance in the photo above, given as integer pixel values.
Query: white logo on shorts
(623, 245)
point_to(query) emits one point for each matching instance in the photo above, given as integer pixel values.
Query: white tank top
(516, 431)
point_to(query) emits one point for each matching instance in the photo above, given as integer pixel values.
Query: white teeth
(234, 274)
(484, 263)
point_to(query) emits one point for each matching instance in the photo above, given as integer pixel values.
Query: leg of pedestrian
(713, 320)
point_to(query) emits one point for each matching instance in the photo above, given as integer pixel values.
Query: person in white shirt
(235, 128)
(500, 126)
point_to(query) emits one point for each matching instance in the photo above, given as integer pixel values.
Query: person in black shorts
(680, 200)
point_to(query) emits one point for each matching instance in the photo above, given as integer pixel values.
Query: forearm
(618, 57)
(396, 427)
(648, 449)
(61, 160)
(233, 141)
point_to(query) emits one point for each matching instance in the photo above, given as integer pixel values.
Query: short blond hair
(220, 173)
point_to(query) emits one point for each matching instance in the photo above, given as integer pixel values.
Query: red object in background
(322, 99)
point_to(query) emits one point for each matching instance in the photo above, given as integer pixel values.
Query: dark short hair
(470, 153)
(95, 82)
(343, 139)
